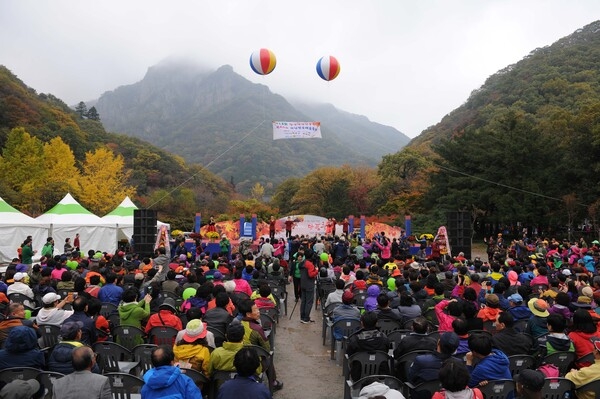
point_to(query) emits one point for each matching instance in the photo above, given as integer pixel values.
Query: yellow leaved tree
(103, 181)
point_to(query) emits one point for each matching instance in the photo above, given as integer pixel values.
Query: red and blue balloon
(328, 68)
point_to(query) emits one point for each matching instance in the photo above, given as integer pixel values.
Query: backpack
(311, 269)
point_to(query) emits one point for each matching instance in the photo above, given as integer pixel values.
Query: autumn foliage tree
(102, 182)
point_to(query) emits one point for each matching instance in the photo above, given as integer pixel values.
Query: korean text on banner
(296, 130)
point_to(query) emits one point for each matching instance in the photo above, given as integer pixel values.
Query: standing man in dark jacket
(307, 288)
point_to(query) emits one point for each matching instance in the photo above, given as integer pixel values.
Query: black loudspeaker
(144, 231)
(459, 232)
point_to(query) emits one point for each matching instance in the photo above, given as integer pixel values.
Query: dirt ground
(303, 363)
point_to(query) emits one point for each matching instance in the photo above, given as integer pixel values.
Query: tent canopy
(14, 228)
(69, 217)
(122, 217)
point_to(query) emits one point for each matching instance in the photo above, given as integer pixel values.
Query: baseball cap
(19, 276)
(449, 342)
(50, 297)
(194, 330)
(492, 300)
(69, 329)
(20, 389)
(531, 379)
(516, 298)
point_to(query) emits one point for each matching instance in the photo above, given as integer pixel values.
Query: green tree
(282, 198)
(81, 109)
(93, 114)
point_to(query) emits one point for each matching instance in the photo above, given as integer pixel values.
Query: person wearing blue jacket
(21, 350)
(492, 365)
(165, 380)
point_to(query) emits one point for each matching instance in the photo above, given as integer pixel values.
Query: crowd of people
(540, 295)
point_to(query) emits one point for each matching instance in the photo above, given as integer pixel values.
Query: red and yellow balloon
(263, 61)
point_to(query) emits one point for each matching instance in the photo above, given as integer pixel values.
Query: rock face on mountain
(223, 121)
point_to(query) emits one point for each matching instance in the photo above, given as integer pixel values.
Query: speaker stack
(144, 232)
(459, 232)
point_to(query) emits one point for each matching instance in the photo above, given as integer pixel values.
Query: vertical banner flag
(296, 130)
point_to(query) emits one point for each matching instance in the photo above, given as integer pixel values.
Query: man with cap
(517, 308)
(166, 316)
(52, 311)
(507, 339)
(426, 367)
(529, 384)
(82, 382)
(587, 374)
(346, 311)
(20, 287)
(537, 325)
(22, 389)
(61, 358)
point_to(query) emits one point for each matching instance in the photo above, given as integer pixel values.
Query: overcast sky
(403, 63)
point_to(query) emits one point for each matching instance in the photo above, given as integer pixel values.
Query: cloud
(403, 63)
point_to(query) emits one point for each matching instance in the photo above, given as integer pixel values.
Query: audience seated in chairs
(416, 340)
(426, 367)
(491, 365)
(529, 384)
(192, 350)
(556, 340)
(336, 296)
(165, 379)
(221, 359)
(454, 377)
(378, 389)
(587, 374)
(196, 314)
(367, 339)
(82, 379)
(132, 312)
(89, 335)
(508, 340)
(61, 358)
(245, 385)
(384, 311)
(166, 316)
(21, 350)
(53, 312)
(15, 318)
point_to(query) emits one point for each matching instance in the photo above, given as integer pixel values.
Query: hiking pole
(296, 304)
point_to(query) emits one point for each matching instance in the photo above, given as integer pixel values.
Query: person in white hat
(20, 287)
(53, 312)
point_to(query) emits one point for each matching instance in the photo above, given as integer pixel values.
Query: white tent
(69, 217)
(122, 217)
(14, 228)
